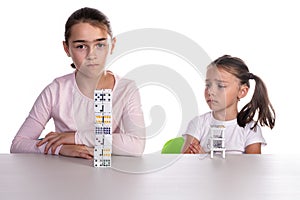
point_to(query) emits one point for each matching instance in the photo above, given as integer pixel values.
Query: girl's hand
(54, 139)
(77, 150)
(194, 146)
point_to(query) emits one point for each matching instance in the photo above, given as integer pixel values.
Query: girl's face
(223, 90)
(88, 46)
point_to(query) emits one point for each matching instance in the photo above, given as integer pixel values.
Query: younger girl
(227, 81)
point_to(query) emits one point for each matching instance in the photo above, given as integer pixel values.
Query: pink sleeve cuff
(42, 148)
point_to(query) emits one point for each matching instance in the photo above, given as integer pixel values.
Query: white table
(241, 177)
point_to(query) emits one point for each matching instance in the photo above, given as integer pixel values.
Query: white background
(265, 34)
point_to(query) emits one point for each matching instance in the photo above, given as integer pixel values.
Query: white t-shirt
(236, 138)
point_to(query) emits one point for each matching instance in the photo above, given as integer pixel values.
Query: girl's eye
(81, 46)
(221, 86)
(100, 46)
(207, 85)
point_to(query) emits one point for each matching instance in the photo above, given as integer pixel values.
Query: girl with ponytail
(227, 81)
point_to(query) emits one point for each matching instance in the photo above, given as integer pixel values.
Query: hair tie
(73, 66)
(250, 76)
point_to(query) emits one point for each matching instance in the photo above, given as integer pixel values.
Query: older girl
(69, 99)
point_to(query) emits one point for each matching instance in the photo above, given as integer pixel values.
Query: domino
(103, 118)
(102, 107)
(99, 140)
(103, 128)
(103, 95)
(217, 140)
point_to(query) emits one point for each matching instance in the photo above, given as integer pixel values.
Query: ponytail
(259, 103)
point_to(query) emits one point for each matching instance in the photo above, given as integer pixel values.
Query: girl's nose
(91, 54)
(211, 91)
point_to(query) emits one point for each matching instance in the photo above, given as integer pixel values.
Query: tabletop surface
(153, 176)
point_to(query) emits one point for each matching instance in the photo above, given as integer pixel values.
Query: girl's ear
(113, 42)
(243, 91)
(66, 48)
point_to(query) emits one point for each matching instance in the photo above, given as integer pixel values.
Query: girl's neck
(225, 115)
(86, 84)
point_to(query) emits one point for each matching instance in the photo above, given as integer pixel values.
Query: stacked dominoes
(103, 128)
(217, 140)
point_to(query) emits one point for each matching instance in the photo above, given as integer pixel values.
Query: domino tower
(103, 128)
(217, 140)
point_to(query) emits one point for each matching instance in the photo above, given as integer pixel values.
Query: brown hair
(87, 15)
(260, 101)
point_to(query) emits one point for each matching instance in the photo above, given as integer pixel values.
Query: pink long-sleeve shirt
(73, 111)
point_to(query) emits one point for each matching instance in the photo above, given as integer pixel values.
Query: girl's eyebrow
(221, 81)
(217, 81)
(82, 41)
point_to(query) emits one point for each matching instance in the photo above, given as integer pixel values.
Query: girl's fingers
(196, 149)
(50, 143)
(46, 139)
(193, 149)
(43, 141)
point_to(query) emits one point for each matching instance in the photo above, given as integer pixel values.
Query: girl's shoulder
(202, 118)
(63, 82)
(65, 78)
(123, 83)
(249, 127)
